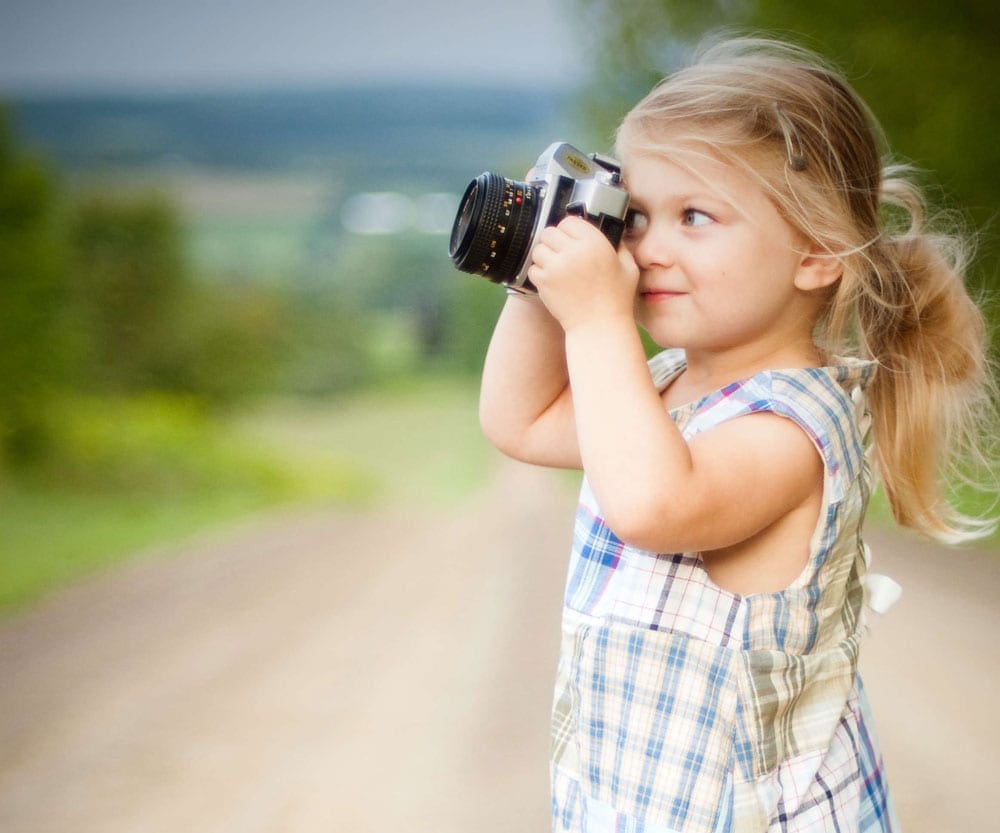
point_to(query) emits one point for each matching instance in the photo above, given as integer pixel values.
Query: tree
(34, 285)
(129, 284)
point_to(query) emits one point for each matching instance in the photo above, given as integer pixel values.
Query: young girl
(715, 598)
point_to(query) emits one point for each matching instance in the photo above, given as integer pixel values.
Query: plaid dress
(683, 708)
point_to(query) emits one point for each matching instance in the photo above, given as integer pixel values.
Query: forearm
(632, 452)
(524, 386)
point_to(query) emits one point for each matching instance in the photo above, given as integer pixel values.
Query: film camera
(499, 219)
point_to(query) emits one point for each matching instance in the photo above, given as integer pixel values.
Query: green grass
(419, 442)
(54, 536)
(145, 472)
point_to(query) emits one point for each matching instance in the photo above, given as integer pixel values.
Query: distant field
(283, 225)
(257, 225)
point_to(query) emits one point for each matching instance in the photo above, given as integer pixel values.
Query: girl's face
(717, 262)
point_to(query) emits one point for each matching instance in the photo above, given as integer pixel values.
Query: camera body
(499, 219)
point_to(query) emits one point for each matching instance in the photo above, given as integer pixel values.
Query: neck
(709, 370)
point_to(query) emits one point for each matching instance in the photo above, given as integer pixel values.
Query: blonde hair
(793, 123)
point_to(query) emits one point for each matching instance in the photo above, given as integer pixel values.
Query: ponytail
(930, 398)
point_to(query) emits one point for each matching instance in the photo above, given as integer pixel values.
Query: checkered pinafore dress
(683, 708)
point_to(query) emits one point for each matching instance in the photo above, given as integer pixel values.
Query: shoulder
(823, 398)
(827, 404)
(828, 401)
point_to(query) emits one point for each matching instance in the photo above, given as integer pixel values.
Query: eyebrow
(681, 199)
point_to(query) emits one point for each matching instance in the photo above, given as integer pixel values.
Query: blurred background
(230, 330)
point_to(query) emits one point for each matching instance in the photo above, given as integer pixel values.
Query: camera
(499, 219)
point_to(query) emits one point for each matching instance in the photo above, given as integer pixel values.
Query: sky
(170, 44)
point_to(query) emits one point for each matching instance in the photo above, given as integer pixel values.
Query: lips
(660, 294)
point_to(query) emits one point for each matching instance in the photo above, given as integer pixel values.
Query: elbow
(491, 428)
(650, 523)
(500, 434)
(539, 440)
(639, 533)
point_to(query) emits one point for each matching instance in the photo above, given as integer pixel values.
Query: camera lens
(492, 231)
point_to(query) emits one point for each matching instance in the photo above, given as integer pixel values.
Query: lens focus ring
(492, 231)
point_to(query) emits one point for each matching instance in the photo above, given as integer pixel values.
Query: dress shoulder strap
(664, 366)
(828, 403)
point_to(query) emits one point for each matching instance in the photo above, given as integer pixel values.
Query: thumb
(628, 264)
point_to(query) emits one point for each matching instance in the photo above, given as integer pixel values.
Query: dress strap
(827, 404)
(664, 366)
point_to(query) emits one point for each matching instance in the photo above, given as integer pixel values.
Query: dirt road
(392, 672)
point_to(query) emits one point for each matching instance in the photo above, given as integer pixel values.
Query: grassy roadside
(155, 473)
(150, 473)
(419, 442)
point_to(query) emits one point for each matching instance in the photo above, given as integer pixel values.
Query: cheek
(734, 296)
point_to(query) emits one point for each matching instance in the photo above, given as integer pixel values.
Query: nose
(651, 249)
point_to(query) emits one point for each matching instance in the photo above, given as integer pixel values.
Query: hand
(579, 275)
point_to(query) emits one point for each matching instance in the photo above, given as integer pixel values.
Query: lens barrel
(492, 232)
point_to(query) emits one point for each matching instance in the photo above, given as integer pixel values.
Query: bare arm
(657, 490)
(525, 407)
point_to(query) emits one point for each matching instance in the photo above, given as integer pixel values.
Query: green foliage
(470, 306)
(144, 323)
(417, 440)
(130, 281)
(53, 536)
(126, 369)
(328, 346)
(129, 472)
(154, 443)
(637, 42)
(33, 290)
(96, 297)
(228, 341)
(100, 300)
(929, 75)
(137, 471)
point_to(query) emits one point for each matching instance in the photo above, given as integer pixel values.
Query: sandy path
(392, 671)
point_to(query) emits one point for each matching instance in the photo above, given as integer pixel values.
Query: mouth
(655, 295)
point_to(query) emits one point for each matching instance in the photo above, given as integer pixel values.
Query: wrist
(530, 310)
(602, 324)
(518, 292)
(610, 348)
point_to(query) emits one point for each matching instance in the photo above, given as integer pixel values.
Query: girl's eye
(635, 222)
(694, 217)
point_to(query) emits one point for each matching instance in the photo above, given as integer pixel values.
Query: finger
(536, 274)
(576, 227)
(627, 260)
(553, 237)
(541, 252)
(628, 265)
